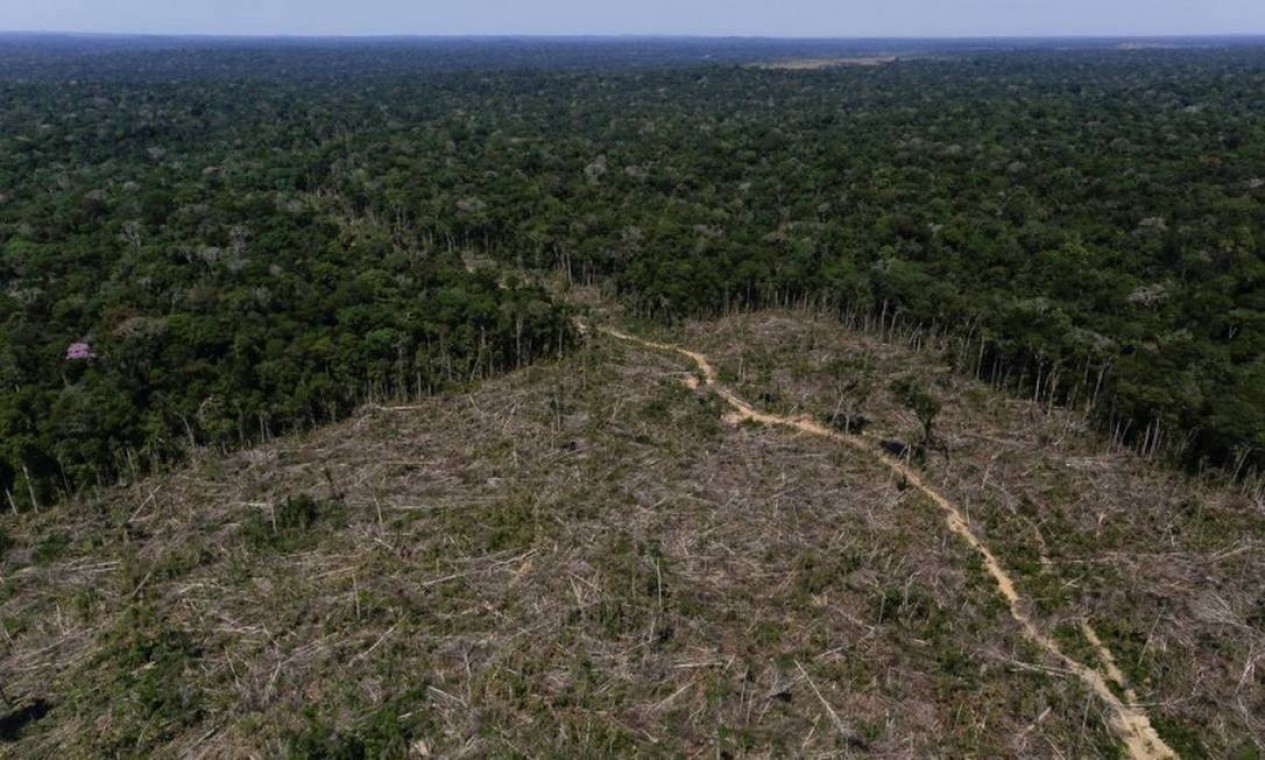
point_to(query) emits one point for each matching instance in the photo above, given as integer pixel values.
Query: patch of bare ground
(583, 559)
(816, 64)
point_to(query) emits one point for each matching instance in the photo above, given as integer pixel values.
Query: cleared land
(1129, 719)
(813, 64)
(586, 558)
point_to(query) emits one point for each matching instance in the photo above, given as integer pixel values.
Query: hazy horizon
(794, 19)
(563, 36)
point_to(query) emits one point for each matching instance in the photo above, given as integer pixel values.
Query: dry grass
(584, 559)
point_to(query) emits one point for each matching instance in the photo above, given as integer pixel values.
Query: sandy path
(1128, 719)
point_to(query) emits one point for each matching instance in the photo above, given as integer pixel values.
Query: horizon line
(630, 35)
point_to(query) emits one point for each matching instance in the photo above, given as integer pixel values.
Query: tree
(913, 393)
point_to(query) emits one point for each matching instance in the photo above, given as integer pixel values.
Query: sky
(771, 18)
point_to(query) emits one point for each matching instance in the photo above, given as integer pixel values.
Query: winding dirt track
(1129, 720)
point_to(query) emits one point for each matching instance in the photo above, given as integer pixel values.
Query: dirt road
(1129, 720)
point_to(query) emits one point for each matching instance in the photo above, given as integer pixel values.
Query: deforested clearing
(584, 558)
(814, 64)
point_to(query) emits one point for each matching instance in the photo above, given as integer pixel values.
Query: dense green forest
(247, 239)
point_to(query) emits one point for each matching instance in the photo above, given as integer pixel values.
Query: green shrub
(290, 525)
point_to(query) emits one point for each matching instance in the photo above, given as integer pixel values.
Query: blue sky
(844, 18)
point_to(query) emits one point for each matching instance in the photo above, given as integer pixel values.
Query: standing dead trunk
(30, 487)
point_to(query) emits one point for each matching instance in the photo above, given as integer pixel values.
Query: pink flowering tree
(79, 351)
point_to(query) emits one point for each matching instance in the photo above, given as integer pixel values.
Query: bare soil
(815, 64)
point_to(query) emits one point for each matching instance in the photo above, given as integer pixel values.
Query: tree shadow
(13, 722)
